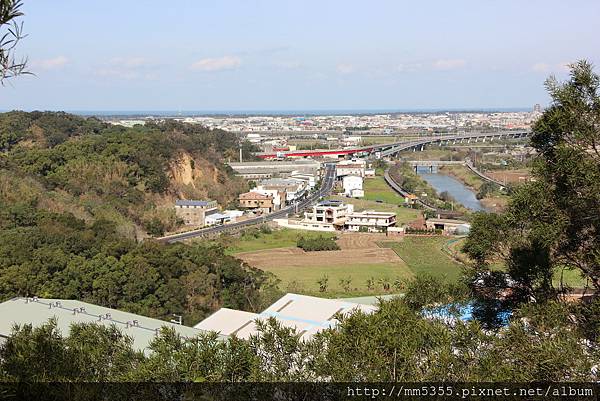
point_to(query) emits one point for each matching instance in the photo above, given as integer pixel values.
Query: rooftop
(331, 202)
(200, 203)
(307, 315)
(37, 311)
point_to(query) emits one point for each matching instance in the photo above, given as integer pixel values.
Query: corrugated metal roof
(201, 203)
(305, 314)
(37, 311)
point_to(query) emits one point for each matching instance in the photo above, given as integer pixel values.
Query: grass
(305, 280)
(277, 239)
(425, 255)
(377, 189)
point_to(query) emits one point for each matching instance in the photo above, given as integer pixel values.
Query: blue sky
(297, 55)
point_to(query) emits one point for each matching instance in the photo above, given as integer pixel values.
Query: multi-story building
(278, 196)
(351, 167)
(330, 211)
(256, 201)
(370, 220)
(353, 186)
(293, 188)
(194, 212)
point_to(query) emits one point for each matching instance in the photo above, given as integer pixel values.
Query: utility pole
(240, 152)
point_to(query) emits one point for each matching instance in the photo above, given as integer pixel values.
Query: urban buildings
(354, 167)
(353, 186)
(331, 212)
(194, 212)
(370, 221)
(256, 202)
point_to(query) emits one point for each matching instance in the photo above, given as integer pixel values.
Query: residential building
(370, 220)
(217, 219)
(351, 167)
(279, 197)
(306, 315)
(329, 211)
(233, 214)
(256, 202)
(194, 212)
(294, 189)
(353, 186)
(37, 311)
(448, 226)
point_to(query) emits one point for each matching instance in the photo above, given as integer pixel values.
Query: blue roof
(183, 202)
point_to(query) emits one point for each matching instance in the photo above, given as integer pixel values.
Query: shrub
(319, 243)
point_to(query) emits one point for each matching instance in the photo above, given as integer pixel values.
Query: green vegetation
(254, 240)
(552, 223)
(425, 255)
(11, 33)
(377, 189)
(305, 280)
(130, 176)
(319, 243)
(76, 193)
(392, 344)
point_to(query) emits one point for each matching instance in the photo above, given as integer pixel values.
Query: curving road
(324, 190)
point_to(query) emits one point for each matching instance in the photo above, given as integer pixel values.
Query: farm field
(425, 255)
(362, 256)
(510, 176)
(279, 238)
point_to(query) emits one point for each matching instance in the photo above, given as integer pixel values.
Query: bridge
(390, 149)
(433, 164)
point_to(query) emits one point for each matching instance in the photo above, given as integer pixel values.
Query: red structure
(314, 153)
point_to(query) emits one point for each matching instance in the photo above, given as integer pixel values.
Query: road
(326, 186)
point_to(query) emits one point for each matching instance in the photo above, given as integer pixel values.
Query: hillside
(75, 195)
(130, 176)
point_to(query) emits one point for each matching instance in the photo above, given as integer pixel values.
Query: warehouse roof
(37, 311)
(307, 315)
(201, 203)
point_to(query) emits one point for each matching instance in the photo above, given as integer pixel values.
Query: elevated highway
(390, 149)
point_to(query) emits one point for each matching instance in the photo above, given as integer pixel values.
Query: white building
(306, 315)
(371, 221)
(353, 186)
(351, 167)
(216, 219)
(330, 212)
(279, 197)
(294, 188)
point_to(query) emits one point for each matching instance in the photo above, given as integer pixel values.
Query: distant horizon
(281, 112)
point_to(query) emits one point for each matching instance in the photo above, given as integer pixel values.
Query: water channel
(461, 193)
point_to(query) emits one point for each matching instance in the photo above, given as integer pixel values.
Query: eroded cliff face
(196, 177)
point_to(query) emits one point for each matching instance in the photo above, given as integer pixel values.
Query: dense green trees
(58, 256)
(554, 222)
(397, 343)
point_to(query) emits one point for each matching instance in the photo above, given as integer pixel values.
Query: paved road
(326, 187)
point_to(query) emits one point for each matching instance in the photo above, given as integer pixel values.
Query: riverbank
(495, 203)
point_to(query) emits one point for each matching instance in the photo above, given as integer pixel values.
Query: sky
(233, 55)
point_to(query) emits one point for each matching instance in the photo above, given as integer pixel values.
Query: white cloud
(127, 68)
(217, 64)
(345, 68)
(448, 64)
(52, 63)
(288, 64)
(541, 67)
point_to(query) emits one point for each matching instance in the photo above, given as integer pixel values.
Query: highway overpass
(390, 149)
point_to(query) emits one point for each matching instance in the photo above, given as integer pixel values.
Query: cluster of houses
(272, 194)
(204, 213)
(351, 174)
(335, 215)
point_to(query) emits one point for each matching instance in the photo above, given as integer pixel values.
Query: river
(461, 193)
